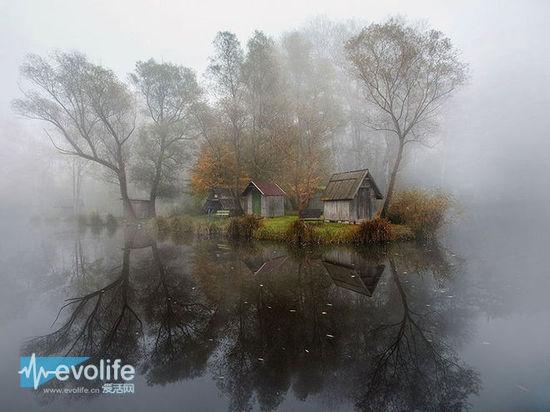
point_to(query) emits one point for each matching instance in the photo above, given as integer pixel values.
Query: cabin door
(256, 203)
(363, 209)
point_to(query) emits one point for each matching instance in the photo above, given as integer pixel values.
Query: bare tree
(226, 72)
(265, 104)
(170, 94)
(314, 114)
(89, 108)
(407, 73)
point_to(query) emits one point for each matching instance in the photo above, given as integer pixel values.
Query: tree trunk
(393, 178)
(237, 199)
(127, 204)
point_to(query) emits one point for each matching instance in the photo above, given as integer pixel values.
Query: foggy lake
(222, 326)
(274, 206)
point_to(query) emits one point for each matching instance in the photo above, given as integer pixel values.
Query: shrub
(243, 228)
(181, 226)
(208, 229)
(95, 220)
(299, 232)
(163, 224)
(376, 230)
(422, 210)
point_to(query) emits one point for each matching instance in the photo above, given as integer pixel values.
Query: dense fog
(490, 149)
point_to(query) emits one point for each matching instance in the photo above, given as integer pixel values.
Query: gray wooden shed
(265, 199)
(350, 196)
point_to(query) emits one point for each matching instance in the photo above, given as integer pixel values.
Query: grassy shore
(325, 232)
(272, 229)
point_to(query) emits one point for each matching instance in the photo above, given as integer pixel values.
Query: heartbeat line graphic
(37, 375)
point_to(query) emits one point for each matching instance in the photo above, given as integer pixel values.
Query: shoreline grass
(278, 229)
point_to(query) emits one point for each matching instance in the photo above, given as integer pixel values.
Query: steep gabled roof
(220, 193)
(265, 188)
(344, 186)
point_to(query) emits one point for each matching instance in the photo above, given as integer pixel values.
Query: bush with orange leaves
(423, 211)
(376, 230)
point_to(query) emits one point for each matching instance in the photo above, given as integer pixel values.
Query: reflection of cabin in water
(350, 196)
(259, 265)
(350, 271)
(265, 199)
(220, 200)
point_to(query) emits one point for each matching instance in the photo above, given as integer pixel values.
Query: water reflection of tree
(180, 323)
(414, 367)
(265, 322)
(100, 322)
(384, 354)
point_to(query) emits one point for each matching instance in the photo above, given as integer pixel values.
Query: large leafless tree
(407, 73)
(88, 108)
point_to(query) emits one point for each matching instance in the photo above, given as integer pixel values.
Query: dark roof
(265, 188)
(223, 197)
(229, 204)
(344, 186)
(220, 192)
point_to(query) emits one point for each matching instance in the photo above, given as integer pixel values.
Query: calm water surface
(463, 323)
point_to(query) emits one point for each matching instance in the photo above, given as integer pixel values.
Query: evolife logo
(37, 370)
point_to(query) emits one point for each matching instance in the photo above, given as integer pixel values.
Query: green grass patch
(286, 229)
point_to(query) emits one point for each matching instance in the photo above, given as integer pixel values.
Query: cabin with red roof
(265, 199)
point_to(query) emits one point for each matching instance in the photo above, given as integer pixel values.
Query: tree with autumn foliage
(215, 168)
(273, 116)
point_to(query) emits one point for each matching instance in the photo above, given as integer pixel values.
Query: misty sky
(497, 125)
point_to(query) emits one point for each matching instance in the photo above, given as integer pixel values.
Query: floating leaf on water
(523, 388)
(261, 285)
(329, 304)
(330, 336)
(323, 313)
(306, 350)
(261, 359)
(293, 310)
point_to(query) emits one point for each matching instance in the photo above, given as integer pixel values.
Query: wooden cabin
(220, 200)
(265, 199)
(350, 197)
